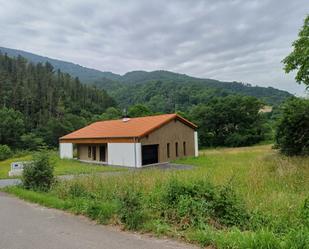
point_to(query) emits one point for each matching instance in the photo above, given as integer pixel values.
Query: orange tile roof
(135, 127)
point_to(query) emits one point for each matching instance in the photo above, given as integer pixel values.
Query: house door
(94, 153)
(150, 154)
(102, 153)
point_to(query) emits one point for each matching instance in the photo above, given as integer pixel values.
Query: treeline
(224, 121)
(171, 96)
(39, 104)
(236, 120)
(164, 91)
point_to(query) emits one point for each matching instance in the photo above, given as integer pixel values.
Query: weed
(131, 211)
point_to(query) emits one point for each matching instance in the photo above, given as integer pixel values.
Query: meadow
(61, 166)
(250, 197)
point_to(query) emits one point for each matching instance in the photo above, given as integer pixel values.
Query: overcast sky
(232, 40)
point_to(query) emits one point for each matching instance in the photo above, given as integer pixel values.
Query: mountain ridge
(64, 66)
(126, 88)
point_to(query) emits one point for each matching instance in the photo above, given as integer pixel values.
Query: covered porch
(92, 152)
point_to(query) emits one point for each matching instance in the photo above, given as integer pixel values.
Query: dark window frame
(176, 149)
(89, 151)
(184, 148)
(94, 152)
(168, 150)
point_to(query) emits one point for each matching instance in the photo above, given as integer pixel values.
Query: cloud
(231, 40)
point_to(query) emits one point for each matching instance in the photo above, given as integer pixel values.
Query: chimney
(125, 117)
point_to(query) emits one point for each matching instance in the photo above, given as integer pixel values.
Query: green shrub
(197, 202)
(175, 189)
(292, 133)
(5, 152)
(131, 211)
(229, 209)
(38, 175)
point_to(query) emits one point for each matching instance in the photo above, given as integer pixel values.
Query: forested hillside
(162, 91)
(37, 101)
(83, 73)
(38, 104)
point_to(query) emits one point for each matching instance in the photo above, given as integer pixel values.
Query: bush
(188, 204)
(5, 152)
(229, 209)
(38, 175)
(131, 210)
(198, 202)
(292, 133)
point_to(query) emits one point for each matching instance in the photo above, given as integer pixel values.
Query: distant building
(266, 109)
(133, 142)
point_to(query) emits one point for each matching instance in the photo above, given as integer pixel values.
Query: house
(133, 142)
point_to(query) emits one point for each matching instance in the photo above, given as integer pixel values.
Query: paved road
(9, 182)
(29, 226)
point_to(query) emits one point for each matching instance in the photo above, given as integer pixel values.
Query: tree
(298, 59)
(292, 134)
(139, 110)
(39, 174)
(229, 121)
(5, 152)
(35, 95)
(32, 141)
(12, 126)
(110, 113)
(56, 128)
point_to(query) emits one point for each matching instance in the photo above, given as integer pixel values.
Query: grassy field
(267, 181)
(248, 197)
(62, 166)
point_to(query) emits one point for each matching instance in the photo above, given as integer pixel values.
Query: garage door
(150, 154)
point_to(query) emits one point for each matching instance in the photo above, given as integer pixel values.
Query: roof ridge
(137, 127)
(120, 119)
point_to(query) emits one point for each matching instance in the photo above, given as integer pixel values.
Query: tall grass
(233, 198)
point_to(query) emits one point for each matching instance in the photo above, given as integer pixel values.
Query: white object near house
(66, 150)
(16, 168)
(195, 144)
(133, 142)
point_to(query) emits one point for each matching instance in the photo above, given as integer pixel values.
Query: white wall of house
(66, 150)
(196, 143)
(125, 154)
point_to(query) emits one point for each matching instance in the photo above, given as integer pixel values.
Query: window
(184, 149)
(94, 153)
(176, 148)
(168, 150)
(89, 151)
